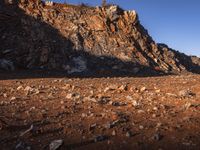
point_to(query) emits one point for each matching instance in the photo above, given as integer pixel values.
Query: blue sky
(174, 22)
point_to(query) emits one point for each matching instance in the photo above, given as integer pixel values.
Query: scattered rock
(113, 132)
(141, 111)
(79, 65)
(19, 87)
(187, 105)
(13, 98)
(186, 94)
(1, 126)
(54, 145)
(128, 134)
(93, 126)
(69, 96)
(103, 100)
(100, 138)
(6, 65)
(157, 91)
(171, 94)
(67, 86)
(157, 137)
(141, 127)
(135, 103)
(83, 115)
(119, 103)
(5, 95)
(130, 98)
(155, 108)
(111, 88)
(30, 90)
(108, 125)
(154, 115)
(143, 89)
(22, 146)
(123, 88)
(27, 131)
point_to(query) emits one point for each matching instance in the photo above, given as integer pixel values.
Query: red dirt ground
(101, 113)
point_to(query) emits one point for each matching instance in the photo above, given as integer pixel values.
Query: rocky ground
(100, 113)
(47, 109)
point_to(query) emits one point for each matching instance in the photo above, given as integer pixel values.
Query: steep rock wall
(82, 39)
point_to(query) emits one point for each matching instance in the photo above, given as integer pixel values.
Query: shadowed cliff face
(81, 39)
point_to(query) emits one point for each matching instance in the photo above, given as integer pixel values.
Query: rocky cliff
(82, 39)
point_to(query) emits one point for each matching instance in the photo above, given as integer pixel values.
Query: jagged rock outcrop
(82, 39)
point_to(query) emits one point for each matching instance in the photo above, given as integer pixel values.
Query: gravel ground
(100, 113)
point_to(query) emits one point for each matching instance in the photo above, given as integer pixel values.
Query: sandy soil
(100, 113)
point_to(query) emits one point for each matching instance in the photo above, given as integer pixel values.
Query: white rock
(135, 103)
(28, 88)
(123, 87)
(80, 65)
(55, 144)
(13, 98)
(143, 89)
(111, 87)
(69, 96)
(129, 98)
(49, 3)
(155, 108)
(141, 127)
(19, 88)
(113, 132)
(6, 65)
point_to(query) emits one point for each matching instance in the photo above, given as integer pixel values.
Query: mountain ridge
(83, 39)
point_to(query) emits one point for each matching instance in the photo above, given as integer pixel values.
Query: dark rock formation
(82, 39)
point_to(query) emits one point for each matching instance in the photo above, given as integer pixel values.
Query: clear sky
(173, 22)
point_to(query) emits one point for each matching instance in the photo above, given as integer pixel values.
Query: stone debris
(19, 88)
(56, 144)
(141, 127)
(157, 137)
(31, 90)
(103, 100)
(115, 103)
(6, 65)
(143, 89)
(113, 133)
(49, 3)
(92, 126)
(186, 94)
(13, 98)
(123, 88)
(1, 126)
(135, 103)
(188, 105)
(129, 98)
(27, 131)
(79, 65)
(111, 88)
(100, 138)
(79, 108)
(69, 96)
(22, 146)
(128, 134)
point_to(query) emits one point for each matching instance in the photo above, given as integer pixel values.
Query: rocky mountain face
(82, 39)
